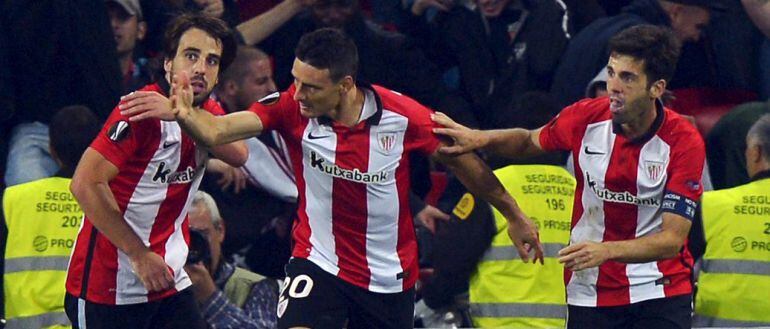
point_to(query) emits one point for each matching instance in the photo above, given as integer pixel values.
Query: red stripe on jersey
(349, 223)
(301, 230)
(612, 284)
(407, 241)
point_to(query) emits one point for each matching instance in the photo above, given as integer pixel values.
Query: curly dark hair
(657, 46)
(215, 27)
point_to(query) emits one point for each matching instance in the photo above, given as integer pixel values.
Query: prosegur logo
(165, 176)
(353, 175)
(40, 243)
(739, 244)
(620, 197)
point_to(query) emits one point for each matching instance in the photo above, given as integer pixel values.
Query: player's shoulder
(399, 103)
(588, 110)
(677, 129)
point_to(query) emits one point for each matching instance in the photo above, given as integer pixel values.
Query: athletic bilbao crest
(654, 169)
(387, 141)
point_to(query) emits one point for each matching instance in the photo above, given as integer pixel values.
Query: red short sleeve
(420, 136)
(275, 110)
(120, 138)
(559, 134)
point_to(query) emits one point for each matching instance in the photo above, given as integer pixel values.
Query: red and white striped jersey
(354, 219)
(160, 169)
(623, 188)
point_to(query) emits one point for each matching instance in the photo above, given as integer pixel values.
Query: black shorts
(177, 311)
(663, 313)
(311, 297)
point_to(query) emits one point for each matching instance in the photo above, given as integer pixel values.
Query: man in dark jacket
(502, 49)
(587, 52)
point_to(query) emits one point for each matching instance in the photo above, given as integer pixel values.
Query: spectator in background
(248, 79)
(387, 58)
(257, 199)
(731, 234)
(129, 28)
(726, 154)
(502, 50)
(42, 219)
(229, 296)
(588, 50)
(759, 13)
(638, 169)
(59, 53)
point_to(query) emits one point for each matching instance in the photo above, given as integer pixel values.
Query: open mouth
(198, 86)
(616, 104)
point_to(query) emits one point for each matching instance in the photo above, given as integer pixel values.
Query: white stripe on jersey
(140, 214)
(641, 277)
(318, 192)
(383, 213)
(581, 289)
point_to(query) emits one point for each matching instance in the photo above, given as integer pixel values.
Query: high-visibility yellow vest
(504, 291)
(43, 219)
(734, 281)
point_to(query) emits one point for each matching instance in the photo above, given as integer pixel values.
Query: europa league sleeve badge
(118, 131)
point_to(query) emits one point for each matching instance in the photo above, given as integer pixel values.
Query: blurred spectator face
(492, 8)
(199, 55)
(688, 22)
(257, 83)
(627, 85)
(126, 28)
(201, 221)
(334, 13)
(317, 94)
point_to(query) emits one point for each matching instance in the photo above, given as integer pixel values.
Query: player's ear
(346, 84)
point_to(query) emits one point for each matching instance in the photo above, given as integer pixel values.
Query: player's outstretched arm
(205, 128)
(510, 143)
(90, 186)
(479, 179)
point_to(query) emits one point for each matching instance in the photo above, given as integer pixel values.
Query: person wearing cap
(587, 52)
(129, 28)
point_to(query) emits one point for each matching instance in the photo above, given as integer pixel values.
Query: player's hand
(181, 95)
(140, 105)
(464, 138)
(428, 217)
(152, 270)
(202, 284)
(213, 8)
(583, 255)
(525, 237)
(229, 175)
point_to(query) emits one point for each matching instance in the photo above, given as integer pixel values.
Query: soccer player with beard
(638, 167)
(135, 183)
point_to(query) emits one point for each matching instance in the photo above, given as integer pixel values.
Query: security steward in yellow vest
(504, 291)
(734, 281)
(42, 219)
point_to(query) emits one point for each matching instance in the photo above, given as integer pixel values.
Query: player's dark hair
(331, 49)
(71, 130)
(657, 46)
(214, 27)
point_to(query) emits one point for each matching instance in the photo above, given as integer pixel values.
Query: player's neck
(351, 106)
